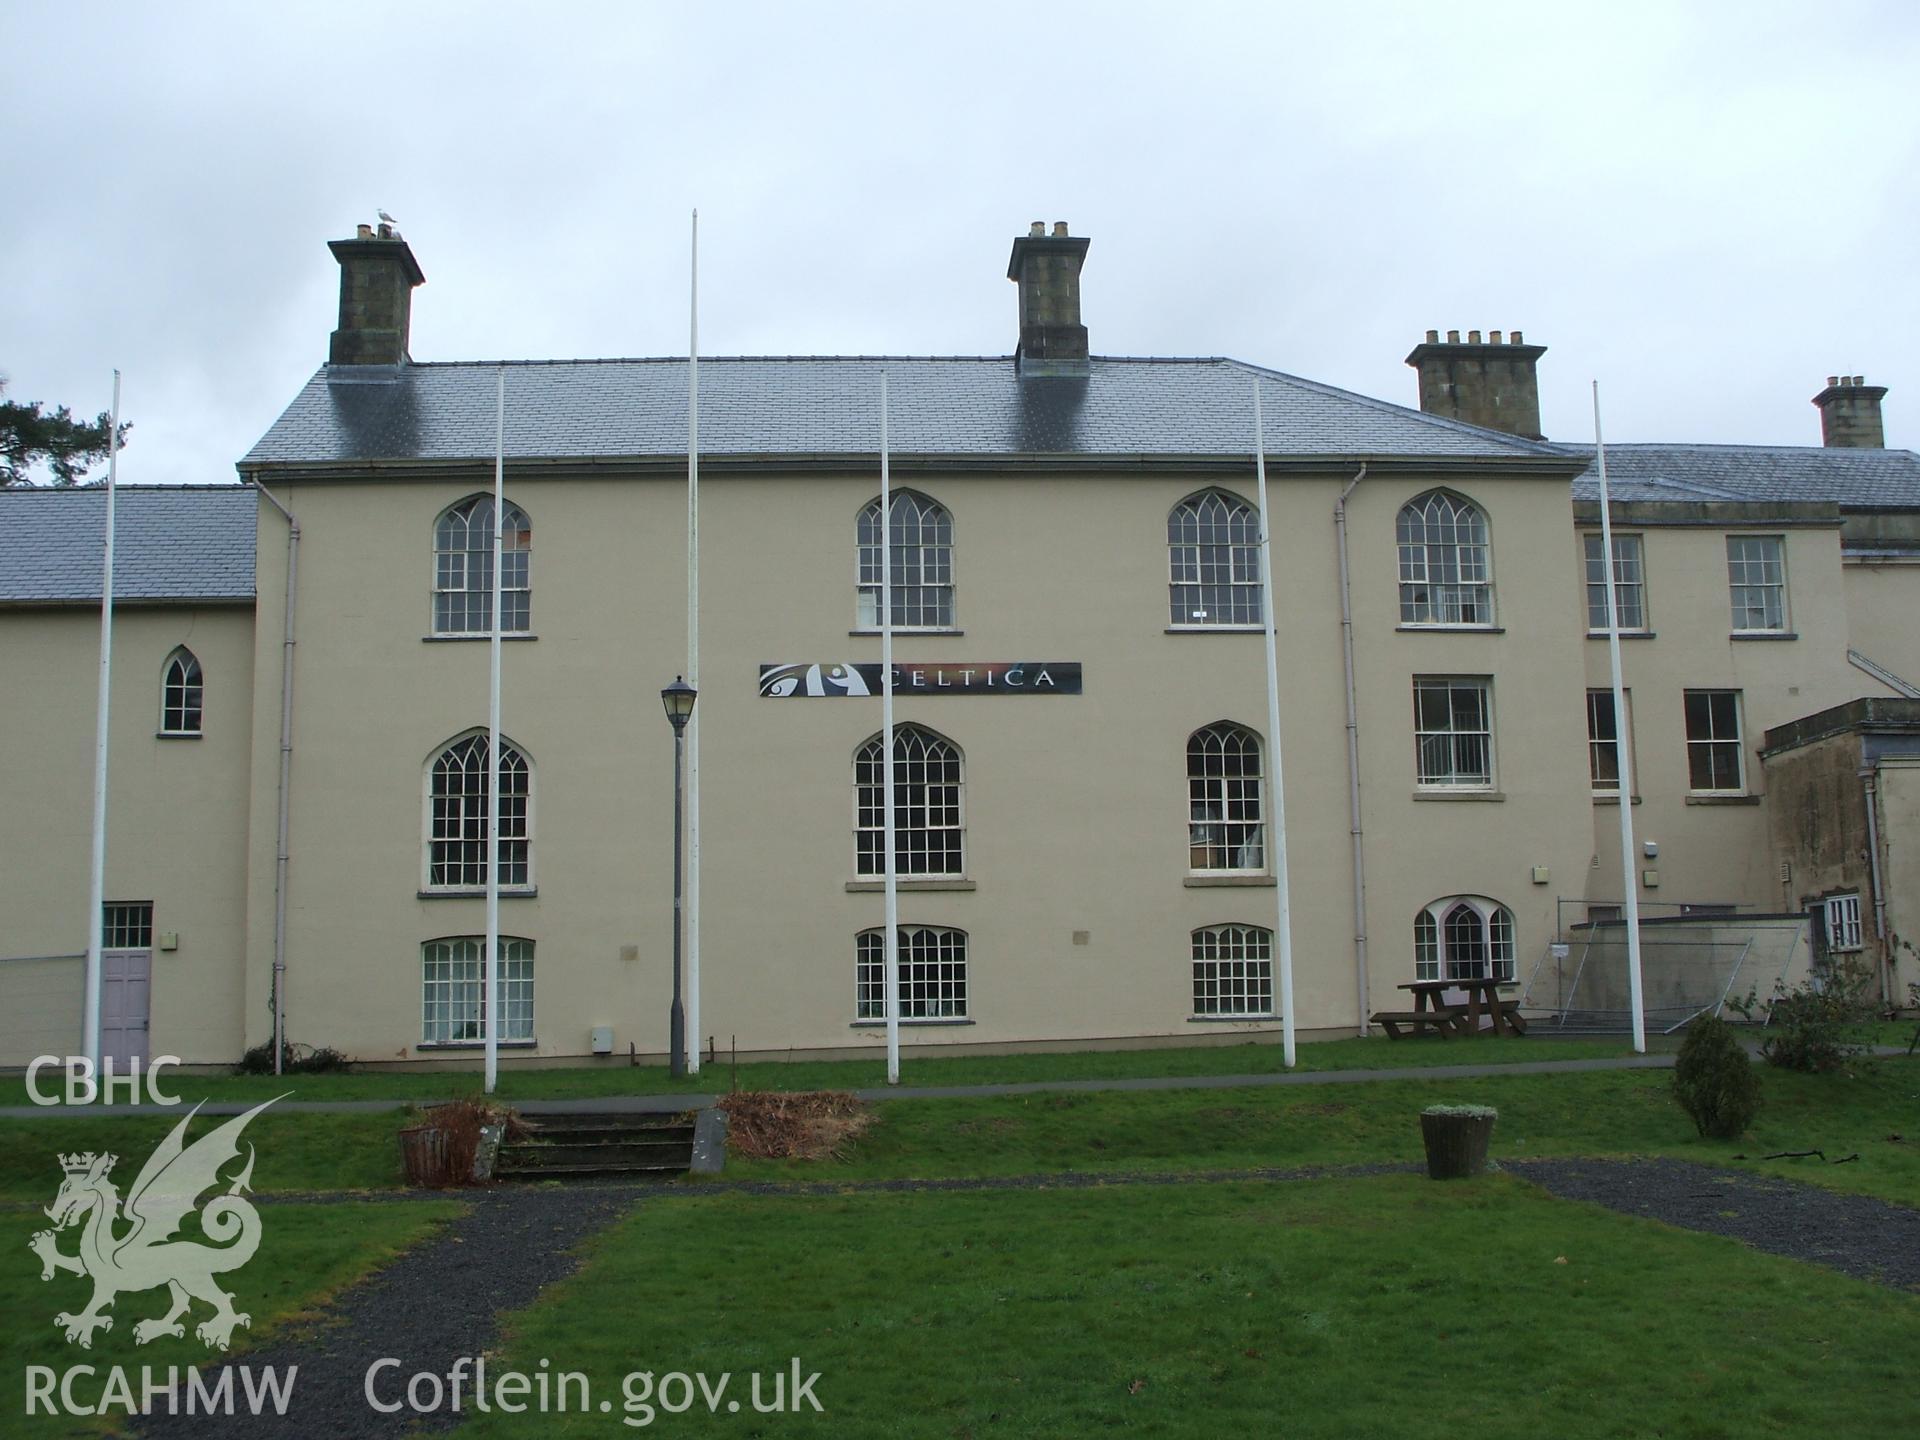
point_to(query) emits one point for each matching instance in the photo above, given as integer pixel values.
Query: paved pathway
(438, 1303)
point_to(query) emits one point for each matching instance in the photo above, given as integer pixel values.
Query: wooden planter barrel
(424, 1151)
(1456, 1137)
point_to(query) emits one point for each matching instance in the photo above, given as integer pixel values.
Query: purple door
(124, 978)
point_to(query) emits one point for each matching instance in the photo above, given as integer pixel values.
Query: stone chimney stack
(1047, 270)
(1490, 383)
(377, 276)
(1850, 413)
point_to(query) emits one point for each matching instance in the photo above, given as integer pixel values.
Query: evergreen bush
(1714, 1080)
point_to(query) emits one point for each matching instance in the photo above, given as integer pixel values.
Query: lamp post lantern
(678, 699)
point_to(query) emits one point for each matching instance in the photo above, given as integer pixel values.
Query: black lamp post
(678, 699)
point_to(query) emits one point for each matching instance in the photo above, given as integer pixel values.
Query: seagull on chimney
(386, 218)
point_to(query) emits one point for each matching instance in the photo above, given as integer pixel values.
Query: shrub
(1714, 1081)
(294, 1060)
(1820, 1024)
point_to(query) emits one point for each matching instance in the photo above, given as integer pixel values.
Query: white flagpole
(1622, 744)
(97, 884)
(1277, 795)
(693, 657)
(492, 1000)
(886, 744)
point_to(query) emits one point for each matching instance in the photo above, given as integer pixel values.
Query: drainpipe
(286, 762)
(1869, 776)
(1362, 986)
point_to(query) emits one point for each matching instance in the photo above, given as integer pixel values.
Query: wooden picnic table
(1432, 1012)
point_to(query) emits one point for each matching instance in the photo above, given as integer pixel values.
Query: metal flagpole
(886, 751)
(492, 999)
(1277, 803)
(97, 884)
(1622, 743)
(693, 655)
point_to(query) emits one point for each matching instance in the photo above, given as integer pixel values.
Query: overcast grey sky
(1710, 207)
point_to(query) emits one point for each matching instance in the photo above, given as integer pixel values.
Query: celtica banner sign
(952, 677)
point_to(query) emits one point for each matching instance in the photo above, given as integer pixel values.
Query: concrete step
(545, 1156)
(595, 1134)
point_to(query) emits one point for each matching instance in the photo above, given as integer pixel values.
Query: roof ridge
(1521, 442)
(585, 360)
(127, 487)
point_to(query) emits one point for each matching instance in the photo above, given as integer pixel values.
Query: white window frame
(1432, 943)
(453, 1005)
(920, 530)
(933, 974)
(463, 571)
(524, 884)
(1736, 741)
(126, 925)
(1213, 547)
(1759, 575)
(1232, 963)
(192, 687)
(914, 850)
(1621, 743)
(1221, 831)
(1844, 932)
(1444, 531)
(1630, 582)
(1454, 777)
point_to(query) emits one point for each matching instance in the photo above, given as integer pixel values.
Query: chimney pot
(1060, 229)
(1039, 227)
(1850, 413)
(1493, 337)
(364, 232)
(1453, 337)
(1516, 338)
(1473, 337)
(1433, 337)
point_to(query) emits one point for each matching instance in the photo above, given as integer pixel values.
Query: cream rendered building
(1087, 806)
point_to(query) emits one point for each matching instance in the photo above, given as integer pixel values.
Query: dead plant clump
(803, 1125)
(460, 1121)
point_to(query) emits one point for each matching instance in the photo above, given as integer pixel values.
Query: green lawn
(1355, 1307)
(1617, 1112)
(307, 1252)
(622, 1079)
(295, 1152)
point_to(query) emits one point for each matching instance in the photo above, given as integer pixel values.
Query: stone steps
(587, 1145)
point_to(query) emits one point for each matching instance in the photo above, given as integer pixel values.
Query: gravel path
(435, 1304)
(1857, 1235)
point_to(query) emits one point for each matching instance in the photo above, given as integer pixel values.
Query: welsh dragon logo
(134, 1248)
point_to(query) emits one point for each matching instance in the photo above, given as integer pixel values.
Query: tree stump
(1456, 1137)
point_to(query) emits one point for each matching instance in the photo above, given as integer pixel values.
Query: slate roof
(817, 406)
(1853, 479)
(187, 542)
